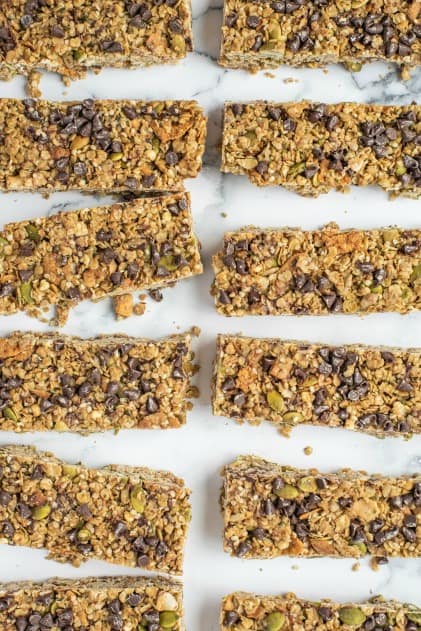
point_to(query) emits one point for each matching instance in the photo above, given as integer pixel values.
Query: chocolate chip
(253, 21)
(239, 399)
(171, 158)
(325, 613)
(224, 297)
(116, 278)
(152, 405)
(79, 168)
(111, 46)
(57, 31)
(243, 549)
(262, 167)
(405, 386)
(6, 527)
(176, 25)
(257, 43)
(386, 535)
(231, 618)
(5, 498)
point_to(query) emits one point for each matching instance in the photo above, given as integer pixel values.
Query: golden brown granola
(96, 252)
(130, 516)
(258, 35)
(102, 146)
(131, 603)
(289, 271)
(311, 148)
(272, 510)
(375, 390)
(243, 611)
(74, 37)
(56, 382)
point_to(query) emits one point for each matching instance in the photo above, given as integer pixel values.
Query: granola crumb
(156, 294)
(196, 331)
(376, 562)
(405, 73)
(295, 567)
(32, 84)
(308, 450)
(224, 215)
(269, 75)
(140, 308)
(356, 567)
(123, 306)
(291, 80)
(193, 392)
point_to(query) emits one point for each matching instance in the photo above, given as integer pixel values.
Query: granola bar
(54, 382)
(241, 611)
(375, 390)
(132, 603)
(74, 37)
(259, 35)
(289, 271)
(271, 511)
(311, 148)
(99, 146)
(96, 252)
(131, 516)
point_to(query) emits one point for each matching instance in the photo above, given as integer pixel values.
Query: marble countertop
(199, 450)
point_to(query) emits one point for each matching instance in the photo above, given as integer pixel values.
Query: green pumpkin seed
(293, 417)
(178, 43)
(275, 400)
(275, 621)
(168, 262)
(168, 619)
(416, 273)
(361, 547)
(287, 492)
(3, 241)
(84, 535)
(308, 484)
(70, 470)
(77, 54)
(41, 512)
(353, 66)
(25, 293)
(115, 157)
(138, 498)
(310, 381)
(296, 169)
(376, 289)
(156, 145)
(33, 232)
(10, 414)
(400, 169)
(352, 616)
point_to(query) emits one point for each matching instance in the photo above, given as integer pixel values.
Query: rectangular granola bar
(100, 146)
(241, 610)
(104, 603)
(259, 35)
(271, 511)
(312, 148)
(291, 271)
(56, 382)
(130, 516)
(96, 252)
(375, 390)
(74, 37)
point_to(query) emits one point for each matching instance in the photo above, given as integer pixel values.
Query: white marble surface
(199, 450)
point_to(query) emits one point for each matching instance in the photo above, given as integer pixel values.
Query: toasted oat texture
(130, 516)
(249, 612)
(375, 390)
(131, 603)
(259, 35)
(96, 252)
(289, 271)
(74, 37)
(311, 148)
(271, 511)
(102, 146)
(56, 382)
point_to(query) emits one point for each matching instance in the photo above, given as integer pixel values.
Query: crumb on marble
(355, 567)
(269, 75)
(308, 450)
(139, 308)
(123, 306)
(291, 80)
(32, 84)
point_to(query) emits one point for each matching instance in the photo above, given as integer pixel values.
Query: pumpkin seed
(70, 470)
(168, 262)
(400, 169)
(414, 616)
(115, 157)
(352, 616)
(310, 381)
(178, 43)
(10, 414)
(296, 169)
(84, 535)
(168, 619)
(292, 417)
(33, 232)
(416, 273)
(353, 66)
(41, 512)
(308, 484)
(275, 400)
(361, 547)
(77, 54)
(287, 492)
(25, 294)
(275, 621)
(137, 498)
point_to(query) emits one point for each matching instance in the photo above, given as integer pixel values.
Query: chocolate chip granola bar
(56, 382)
(272, 613)
(289, 271)
(132, 603)
(99, 146)
(130, 516)
(96, 252)
(375, 390)
(74, 37)
(311, 148)
(259, 35)
(271, 511)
